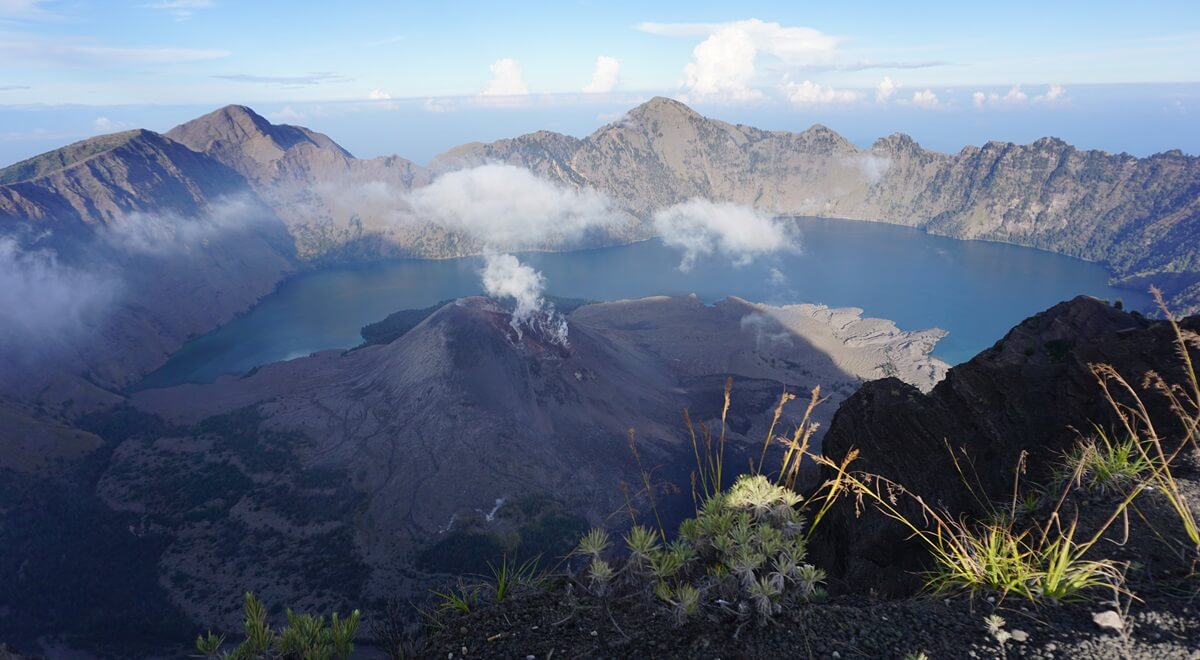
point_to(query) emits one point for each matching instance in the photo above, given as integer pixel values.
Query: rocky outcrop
(1138, 216)
(1032, 392)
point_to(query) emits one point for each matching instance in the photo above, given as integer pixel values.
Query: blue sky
(417, 77)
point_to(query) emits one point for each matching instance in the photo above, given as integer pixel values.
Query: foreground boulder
(1032, 392)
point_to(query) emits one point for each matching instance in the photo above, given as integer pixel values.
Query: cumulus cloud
(505, 277)
(1054, 93)
(508, 207)
(379, 95)
(723, 64)
(45, 300)
(925, 99)
(604, 78)
(506, 79)
(740, 233)
(809, 93)
(1017, 97)
(886, 89)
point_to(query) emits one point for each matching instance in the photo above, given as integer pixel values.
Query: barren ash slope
(454, 436)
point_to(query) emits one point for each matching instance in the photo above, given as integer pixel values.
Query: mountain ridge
(1138, 216)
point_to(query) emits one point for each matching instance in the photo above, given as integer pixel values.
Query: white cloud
(439, 105)
(809, 93)
(24, 9)
(886, 89)
(505, 277)
(873, 167)
(604, 78)
(925, 99)
(776, 277)
(1054, 93)
(170, 234)
(1017, 97)
(741, 233)
(506, 79)
(45, 300)
(379, 95)
(509, 208)
(182, 10)
(106, 125)
(613, 117)
(723, 64)
(64, 51)
(287, 114)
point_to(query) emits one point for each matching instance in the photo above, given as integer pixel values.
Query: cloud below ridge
(510, 208)
(700, 228)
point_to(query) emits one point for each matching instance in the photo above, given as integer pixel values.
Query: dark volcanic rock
(1032, 392)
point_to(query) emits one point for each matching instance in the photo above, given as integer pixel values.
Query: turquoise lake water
(975, 290)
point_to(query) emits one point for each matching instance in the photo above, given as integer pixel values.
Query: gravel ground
(555, 625)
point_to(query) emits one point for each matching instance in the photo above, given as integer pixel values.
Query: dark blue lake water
(973, 289)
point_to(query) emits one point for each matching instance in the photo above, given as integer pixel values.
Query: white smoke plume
(45, 300)
(768, 333)
(509, 208)
(741, 233)
(505, 277)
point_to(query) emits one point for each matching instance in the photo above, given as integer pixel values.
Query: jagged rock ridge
(1032, 393)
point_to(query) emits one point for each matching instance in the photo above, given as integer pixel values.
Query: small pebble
(1019, 635)
(1109, 620)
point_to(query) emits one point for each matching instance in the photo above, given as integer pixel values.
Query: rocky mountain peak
(249, 143)
(661, 107)
(823, 139)
(238, 124)
(896, 143)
